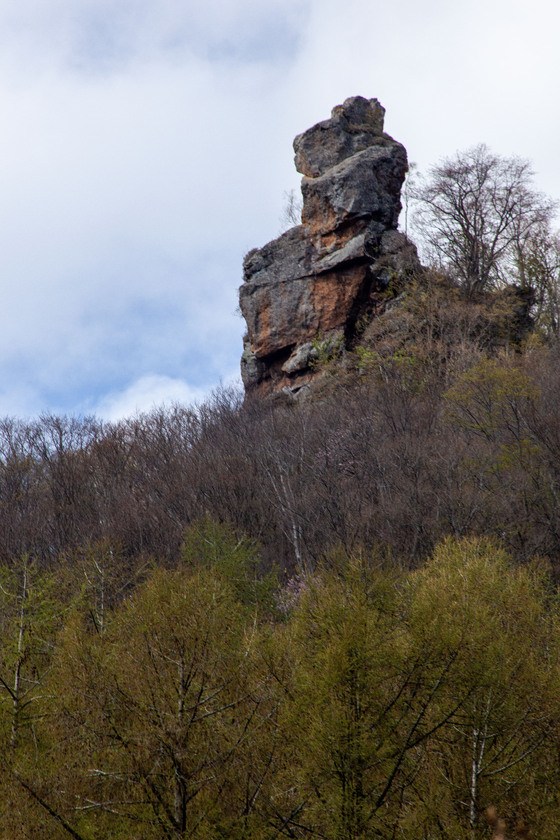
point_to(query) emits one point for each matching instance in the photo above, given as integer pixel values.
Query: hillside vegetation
(336, 618)
(331, 618)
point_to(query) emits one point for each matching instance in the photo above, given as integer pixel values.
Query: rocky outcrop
(305, 293)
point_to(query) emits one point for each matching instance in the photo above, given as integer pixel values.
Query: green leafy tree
(364, 702)
(157, 713)
(492, 751)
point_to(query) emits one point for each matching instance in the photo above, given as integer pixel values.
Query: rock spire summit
(313, 284)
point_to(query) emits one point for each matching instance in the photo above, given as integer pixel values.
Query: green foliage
(98, 577)
(29, 616)
(384, 703)
(326, 350)
(367, 358)
(159, 709)
(490, 397)
(211, 545)
(369, 694)
(500, 622)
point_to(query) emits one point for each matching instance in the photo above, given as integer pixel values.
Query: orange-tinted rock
(318, 279)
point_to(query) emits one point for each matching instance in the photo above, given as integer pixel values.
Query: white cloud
(123, 223)
(147, 393)
(104, 36)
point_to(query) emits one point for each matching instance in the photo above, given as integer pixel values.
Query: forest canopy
(361, 700)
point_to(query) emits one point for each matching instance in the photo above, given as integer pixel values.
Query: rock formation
(305, 293)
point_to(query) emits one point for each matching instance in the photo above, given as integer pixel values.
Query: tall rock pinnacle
(318, 280)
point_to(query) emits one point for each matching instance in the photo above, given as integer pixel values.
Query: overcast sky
(145, 147)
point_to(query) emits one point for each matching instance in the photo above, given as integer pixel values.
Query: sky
(146, 146)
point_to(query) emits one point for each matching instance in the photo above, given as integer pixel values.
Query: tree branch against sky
(476, 213)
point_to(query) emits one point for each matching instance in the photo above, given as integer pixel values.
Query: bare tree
(291, 211)
(475, 214)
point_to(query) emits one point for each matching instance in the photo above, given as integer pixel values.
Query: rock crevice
(314, 282)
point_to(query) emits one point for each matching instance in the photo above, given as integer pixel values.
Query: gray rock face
(364, 186)
(354, 126)
(321, 277)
